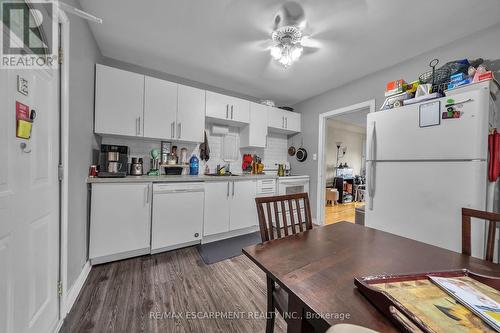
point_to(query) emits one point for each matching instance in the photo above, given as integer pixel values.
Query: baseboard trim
(73, 293)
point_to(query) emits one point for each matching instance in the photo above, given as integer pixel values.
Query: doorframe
(321, 185)
(64, 22)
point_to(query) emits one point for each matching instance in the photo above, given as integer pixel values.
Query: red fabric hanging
(494, 156)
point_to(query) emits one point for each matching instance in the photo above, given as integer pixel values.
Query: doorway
(342, 163)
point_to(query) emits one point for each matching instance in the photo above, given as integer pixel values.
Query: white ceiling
(222, 42)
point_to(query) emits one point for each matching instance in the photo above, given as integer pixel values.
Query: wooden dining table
(317, 269)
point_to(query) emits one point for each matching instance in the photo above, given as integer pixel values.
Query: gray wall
(485, 44)
(84, 53)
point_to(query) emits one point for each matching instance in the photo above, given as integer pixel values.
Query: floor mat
(227, 248)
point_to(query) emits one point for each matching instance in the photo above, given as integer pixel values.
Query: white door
(177, 216)
(191, 114)
(119, 97)
(29, 206)
(255, 134)
(243, 207)
(240, 110)
(120, 221)
(275, 118)
(292, 121)
(217, 201)
(396, 135)
(160, 108)
(218, 106)
(423, 201)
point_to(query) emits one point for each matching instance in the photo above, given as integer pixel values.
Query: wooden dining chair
(493, 219)
(280, 216)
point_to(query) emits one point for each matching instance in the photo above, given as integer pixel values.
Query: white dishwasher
(177, 215)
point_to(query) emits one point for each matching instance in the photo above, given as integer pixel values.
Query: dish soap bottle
(193, 165)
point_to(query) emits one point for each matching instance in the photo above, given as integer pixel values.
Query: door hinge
(60, 172)
(60, 55)
(59, 288)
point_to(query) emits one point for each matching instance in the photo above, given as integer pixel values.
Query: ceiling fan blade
(308, 41)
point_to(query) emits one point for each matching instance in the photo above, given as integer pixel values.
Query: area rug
(227, 248)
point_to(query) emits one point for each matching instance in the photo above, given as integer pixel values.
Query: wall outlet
(315, 157)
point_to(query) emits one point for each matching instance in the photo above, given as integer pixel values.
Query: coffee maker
(113, 161)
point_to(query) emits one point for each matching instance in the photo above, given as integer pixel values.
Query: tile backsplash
(222, 147)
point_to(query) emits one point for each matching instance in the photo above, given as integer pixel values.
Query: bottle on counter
(194, 165)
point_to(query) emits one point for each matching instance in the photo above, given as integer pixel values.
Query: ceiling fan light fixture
(276, 52)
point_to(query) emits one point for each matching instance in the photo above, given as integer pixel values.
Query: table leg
(296, 323)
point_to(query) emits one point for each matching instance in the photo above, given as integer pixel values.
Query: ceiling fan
(288, 38)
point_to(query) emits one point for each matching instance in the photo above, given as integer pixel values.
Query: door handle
(180, 130)
(233, 189)
(232, 106)
(172, 129)
(227, 111)
(372, 164)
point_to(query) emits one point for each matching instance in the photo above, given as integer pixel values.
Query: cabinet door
(217, 199)
(218, 105)
(239, 110)
(276, 118)
(191, 114)
(119, 99)
(175, 220)
(292, 121)
(120, 220)
(160, 108)
(243, 208)
(255, 134)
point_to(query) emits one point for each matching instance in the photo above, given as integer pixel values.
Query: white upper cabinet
(190, 114)
(283, 121)
(255, 134)
(119, 98)
(227, 110)
(160, 108)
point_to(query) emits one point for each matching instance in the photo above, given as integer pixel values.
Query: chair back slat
(288, 209)
(492, 218)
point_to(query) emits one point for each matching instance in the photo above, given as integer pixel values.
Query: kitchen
(151, 173)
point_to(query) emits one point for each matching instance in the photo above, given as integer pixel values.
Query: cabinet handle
(172, 129)
(139, 125)
(227, 194)
(286, 122)
(282, 122)
(232, 111)
(180, 130)
(196, 235)
(233, 189)
(147, 194)
(227, 111)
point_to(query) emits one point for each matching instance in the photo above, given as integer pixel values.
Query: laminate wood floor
(138, 295)
(341, 212)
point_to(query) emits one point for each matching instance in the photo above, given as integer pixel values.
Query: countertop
(180, 178)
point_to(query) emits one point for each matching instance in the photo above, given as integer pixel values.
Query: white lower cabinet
(177, 215)
(216, 209)
(120, 221)
(229, 206)
(243, 211)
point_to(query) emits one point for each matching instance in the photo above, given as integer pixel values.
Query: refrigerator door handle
(372, 158)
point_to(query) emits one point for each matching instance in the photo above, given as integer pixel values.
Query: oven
(293, 184)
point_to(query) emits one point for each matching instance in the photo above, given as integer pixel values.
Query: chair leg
(271, 312)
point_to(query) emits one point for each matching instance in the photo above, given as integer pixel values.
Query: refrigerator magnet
(429, 114)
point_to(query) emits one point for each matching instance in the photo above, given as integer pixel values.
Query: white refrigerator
(422, 169)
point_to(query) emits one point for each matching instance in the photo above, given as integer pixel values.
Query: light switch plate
(22, 85)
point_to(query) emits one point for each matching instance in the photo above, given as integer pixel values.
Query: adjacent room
(195, 166)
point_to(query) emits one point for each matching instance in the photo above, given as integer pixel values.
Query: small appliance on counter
(155, 163)
(136, 167)
(113, 161)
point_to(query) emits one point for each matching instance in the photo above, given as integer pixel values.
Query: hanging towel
(494, 156)
(204, 149)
